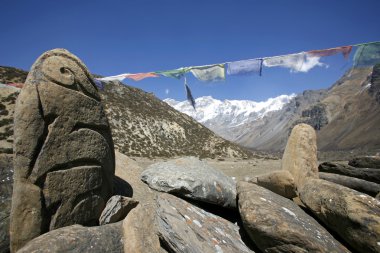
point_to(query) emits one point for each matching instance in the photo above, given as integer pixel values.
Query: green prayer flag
(367, 55)
(175, 73)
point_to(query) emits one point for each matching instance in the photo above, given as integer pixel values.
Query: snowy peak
(236, 112)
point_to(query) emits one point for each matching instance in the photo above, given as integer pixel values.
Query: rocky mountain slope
(142, 125)
(346, 116)
(228, 118)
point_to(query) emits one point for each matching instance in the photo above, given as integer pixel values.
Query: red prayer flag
(17, 85)
(140, 76)
(345, 50)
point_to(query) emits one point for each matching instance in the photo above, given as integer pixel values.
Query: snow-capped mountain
(228, 117)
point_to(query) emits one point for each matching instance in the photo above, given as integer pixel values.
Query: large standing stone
(372, 175)
(186, 228)
(192, 178)
(300, 155)
(351, 214)
(63, 151)
(277, 224)
(79, 239)
(280, 182)
(360, 185)
(366, 162)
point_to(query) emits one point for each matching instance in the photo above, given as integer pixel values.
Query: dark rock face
(79, 239)
(352, 215)
(315, 116)
(186, 228)
(357, 184)
(6, 185)
(366, 162)
(374, 90)
(116, 209)
(63, 154)
(277, 224)
(372, 175)
(192, 178)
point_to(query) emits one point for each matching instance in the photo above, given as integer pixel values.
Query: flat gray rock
(79, 239)
(189, 177)
(116, 209)
(354, 216)
(277, 224)
(368, 174)
(63, 151)
(185, 228)
(360, 185)
(366, 162)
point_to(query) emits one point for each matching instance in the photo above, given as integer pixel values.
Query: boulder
(189, 177)
(117, 208)
(280, 182)
(141, 231)
(184, 227)
(354, 216)
(300, 155)
(76, 238)
(360, 185)
(277, 224)
(63, 151)
(366, 162)
(372, 175)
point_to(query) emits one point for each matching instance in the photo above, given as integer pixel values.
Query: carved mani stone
(64, 158)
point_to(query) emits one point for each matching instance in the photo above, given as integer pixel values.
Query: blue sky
(114, 37)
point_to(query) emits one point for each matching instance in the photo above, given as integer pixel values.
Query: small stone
(117, 208)
(280, 182)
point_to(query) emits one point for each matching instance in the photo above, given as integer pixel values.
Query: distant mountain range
(346, 116)
(228, 118)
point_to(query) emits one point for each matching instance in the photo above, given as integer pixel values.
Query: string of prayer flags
(175, 73)
(345, 50)
(367, 54)
(251, 66)
(209, 73)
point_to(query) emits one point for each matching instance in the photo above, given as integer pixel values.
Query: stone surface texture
(366, 162)
(277, 224)
(300, 155)
(192, 178)
(79, 239)
(368, 174)
(280, 182)
(63, 150)
(186, 228)
(357, 184)
(117, 208)
(354, 216)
